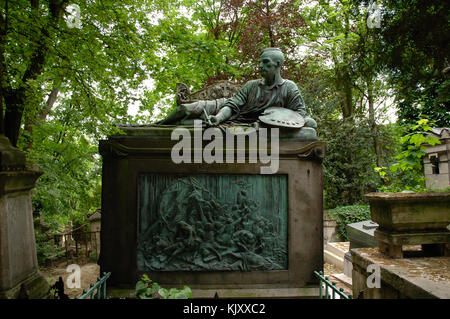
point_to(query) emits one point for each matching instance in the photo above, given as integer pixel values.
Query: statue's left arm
(295, 102)
(294, 99)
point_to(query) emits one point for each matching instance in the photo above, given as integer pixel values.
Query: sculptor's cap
(278, 53)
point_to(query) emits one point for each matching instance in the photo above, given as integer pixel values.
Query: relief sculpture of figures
(255, 101)
(194, 230)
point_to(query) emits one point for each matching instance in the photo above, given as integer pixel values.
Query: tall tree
(247, 27)
(16, 84)
(62, 87)
(95, 67)
(415, 41)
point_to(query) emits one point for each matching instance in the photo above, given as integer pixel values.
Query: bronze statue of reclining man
(251, 100)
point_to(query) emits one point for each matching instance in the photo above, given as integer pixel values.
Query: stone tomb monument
(238, 225)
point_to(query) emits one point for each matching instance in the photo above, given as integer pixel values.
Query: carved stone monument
(18, 260)
(229, 225)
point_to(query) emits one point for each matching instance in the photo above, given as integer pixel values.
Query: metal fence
(79, 244)
(328, 289)
(97, 290)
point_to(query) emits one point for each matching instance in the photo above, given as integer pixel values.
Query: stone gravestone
(360, 234)
(217, 226)
(18, 260)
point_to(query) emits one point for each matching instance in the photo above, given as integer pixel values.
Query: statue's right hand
(214, 119)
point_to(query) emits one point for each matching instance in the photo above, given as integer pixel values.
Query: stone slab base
(334, 253)
(333, 259)
(306, 292)
(415, 278)
(434, 243)
(344, 279)
(36, 287)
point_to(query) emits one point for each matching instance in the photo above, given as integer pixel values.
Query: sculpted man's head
(270, 62)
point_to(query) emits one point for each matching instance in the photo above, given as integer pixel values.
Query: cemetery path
(330, 270)
(89, 274)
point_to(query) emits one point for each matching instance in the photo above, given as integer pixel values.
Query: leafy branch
(148, 289)
(408, 169)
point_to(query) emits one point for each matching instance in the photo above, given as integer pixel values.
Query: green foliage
(348, 165)
(147, 289)
(345, 89)
(46, 250)
(345, 215)
(338, 34)
(74, 84)
(407, 171)
(96, 71)
(414, 43)
(70, 187)
(438, 190)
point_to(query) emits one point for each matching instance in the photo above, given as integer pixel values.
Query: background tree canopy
(415, 46)
(64, 85)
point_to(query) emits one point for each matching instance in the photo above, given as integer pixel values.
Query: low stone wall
(399, 278)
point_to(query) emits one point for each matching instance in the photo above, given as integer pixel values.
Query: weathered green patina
(212, 222)
(97, 290)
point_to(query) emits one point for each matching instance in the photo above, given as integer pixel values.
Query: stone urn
(411, 219)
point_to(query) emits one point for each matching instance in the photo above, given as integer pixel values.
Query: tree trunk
(269, 29)
(347, 111)
(344, 86)
(373, 123)
(42, 116)
(3, 32)
(14, 106)
(2, 126)
(344, 76)
(14, 99)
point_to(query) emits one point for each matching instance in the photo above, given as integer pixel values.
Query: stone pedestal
(434, 243)
(140, 177)
(18, 260)
(330, 230)
(411, 219)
